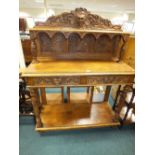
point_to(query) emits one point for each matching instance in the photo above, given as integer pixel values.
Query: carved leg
(35, 103)
(107, 93)
(43, 96)
(68, 94)
(88, 93)
(91, 94)
(88, 90)
(62, 94)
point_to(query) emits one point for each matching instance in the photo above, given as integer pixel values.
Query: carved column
(35, 103)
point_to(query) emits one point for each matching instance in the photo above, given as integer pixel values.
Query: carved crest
(80, 18)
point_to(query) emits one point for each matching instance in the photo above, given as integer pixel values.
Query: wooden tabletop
(56, 68)
(66, 29)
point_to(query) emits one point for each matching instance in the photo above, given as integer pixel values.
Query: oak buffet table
(75, 49)
(75, 73)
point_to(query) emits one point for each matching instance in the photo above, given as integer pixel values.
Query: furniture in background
(76, 49)
(26, 45)
(22, 24)
(25, 104)
(124, 104)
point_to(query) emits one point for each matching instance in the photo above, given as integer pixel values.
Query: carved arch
(74, 40)
(45, 41)
(103, 44)
(58, 43)
(87, 44)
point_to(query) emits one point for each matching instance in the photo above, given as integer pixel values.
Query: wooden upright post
(43, 96)
(107, 93)
(35, 103)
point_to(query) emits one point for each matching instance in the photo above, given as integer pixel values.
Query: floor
(99, 141)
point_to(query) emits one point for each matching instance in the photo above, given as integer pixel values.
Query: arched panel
(58, 43)
(87, 44)
(103, 44)
(45, 42)
(73, 42)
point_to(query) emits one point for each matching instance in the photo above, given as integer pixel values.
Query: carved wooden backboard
(78, 35)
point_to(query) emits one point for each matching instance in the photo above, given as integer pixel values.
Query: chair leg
(117, 93)
(124, 119)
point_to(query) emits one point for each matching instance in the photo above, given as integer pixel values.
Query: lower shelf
(76, 116)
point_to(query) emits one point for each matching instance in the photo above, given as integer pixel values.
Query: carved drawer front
(55, 81)
(79, 80)
(110, 79)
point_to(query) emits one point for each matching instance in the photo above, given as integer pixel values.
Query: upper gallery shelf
(78, 35)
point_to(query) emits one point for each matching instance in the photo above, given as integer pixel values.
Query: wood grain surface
(76, 115)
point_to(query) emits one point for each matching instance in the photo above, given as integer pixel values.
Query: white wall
(117, 18)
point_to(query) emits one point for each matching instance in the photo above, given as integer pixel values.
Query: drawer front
(78, 80)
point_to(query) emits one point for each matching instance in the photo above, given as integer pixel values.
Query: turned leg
(43, 96)
(62, 94)
(88, 95)
(35, 103)
(91, 94)
(88, 90)
(107, 93)
(68, 94)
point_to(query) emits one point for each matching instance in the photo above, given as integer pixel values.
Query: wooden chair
(124, 99)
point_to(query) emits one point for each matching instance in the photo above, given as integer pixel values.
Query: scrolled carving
(108, 79)
(71, 80)
(57, 81)
(42, 81)
(76, 80)
(80, 18)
